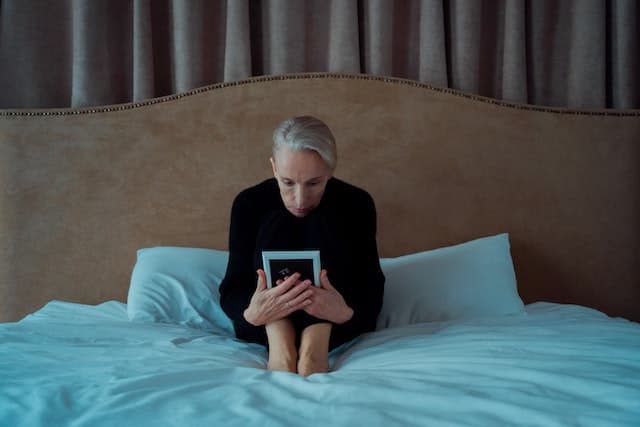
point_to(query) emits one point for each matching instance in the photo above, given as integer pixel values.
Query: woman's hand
(271, 304)
(327, 303)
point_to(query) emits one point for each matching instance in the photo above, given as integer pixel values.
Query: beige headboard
(82, 189)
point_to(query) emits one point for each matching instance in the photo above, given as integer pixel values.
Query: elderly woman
(303, 207)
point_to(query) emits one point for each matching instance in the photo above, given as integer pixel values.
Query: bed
(509, 236)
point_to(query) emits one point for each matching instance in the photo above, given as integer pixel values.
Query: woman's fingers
(291, 293)
(299, 292)
(299, 301)
(286, 284)
(262, 280)
(324, 281)
(288, 296)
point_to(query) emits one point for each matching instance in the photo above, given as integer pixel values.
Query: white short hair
(307, 133)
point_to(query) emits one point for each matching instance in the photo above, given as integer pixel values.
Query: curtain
(72, 53)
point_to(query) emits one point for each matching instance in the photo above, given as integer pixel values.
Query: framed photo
(279, 264)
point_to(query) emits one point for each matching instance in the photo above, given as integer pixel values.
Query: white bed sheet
(557, 365)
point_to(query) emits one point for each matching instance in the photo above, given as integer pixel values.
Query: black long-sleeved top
(342, 226)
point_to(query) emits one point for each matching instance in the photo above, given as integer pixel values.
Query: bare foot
(313, 364)
(282, 351)
(281, 363)
(314, 349)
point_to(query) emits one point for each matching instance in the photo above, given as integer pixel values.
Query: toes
(309, 367)
(277, 364)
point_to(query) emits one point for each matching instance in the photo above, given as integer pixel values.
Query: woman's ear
(273, 165)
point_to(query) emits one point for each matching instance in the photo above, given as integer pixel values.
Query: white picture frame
(278, 264)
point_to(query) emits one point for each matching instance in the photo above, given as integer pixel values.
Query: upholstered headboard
(82, 189)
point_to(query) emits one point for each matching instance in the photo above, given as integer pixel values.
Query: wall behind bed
(82, 189)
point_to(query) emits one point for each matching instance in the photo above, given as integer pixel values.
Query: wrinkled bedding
(554, 365)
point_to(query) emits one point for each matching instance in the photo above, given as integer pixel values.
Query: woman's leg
(314, 349)
(283, 355)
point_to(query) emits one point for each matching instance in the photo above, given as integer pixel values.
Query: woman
(303, 207)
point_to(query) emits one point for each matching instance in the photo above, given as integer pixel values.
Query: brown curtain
(575, 53)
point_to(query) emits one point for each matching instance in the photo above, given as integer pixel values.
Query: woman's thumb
(262, 280)
(324, 280)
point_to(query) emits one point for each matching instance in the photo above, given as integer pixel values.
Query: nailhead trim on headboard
(259, 79)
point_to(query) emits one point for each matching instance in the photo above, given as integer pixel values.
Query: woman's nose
(300, 197)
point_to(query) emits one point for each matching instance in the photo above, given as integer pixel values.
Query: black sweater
(342, 226)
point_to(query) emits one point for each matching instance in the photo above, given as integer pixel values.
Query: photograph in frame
(280, 264)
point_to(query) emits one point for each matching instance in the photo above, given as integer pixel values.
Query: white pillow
(471, 280)
(179, 285)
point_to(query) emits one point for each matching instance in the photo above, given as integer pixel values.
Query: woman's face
(302, 176)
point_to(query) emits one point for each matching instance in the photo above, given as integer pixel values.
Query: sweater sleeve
(239, 282)
(365, 293)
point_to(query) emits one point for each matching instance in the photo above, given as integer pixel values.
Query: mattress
(552, 365)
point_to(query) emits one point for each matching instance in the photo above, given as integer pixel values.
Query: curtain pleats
(101, 66)
(432, 45)
(572, 53)
(343, 37)
(143, 78)
(35, 51)
(237, 42)
(624, 53)
(513, 59)
(378, 33)
(586, 49)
